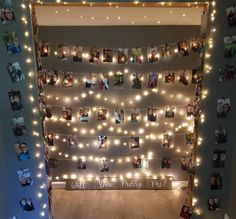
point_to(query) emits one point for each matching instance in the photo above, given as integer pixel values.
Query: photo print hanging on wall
(72, 140)
(119, 80)
(167, 140)
(230, 46)
(213, 204)
(170, 77)
(102, 114)
(137, 80)
(77, 54)
(108, 55)
(216, 181)
(11, 41)
(186, 212)
(152, 80)
(220, 135)
(189, 137)
(186, 163)
(18, 126)
(136, 56)
(102, 142)
(170, 111)
(45, 108)
(231, 15)
(166, 50)
(153, 55)
(15, 72)
(52, 77)
(219, 158)
(24, 177)
(135, 116)
(195, 76)
(152, 114)
(67, 112)
(183, 78)
(90, 81)
(137, 162)
(166, 163)
(68, 79)
(119, 116)
(52, 163)
(27, 204)
(63, 52)
(122, 55)
(82, 163)
(94, 55)
(183, 48)
(104, 165)
(84, 114)
(7, 15)
(227, 73)
(15, 100)
(49, 137)
(134, 142)
(103, 81)
(223, 107)
(44, 49)
(22, 151)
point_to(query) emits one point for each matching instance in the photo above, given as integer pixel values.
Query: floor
(117, 204)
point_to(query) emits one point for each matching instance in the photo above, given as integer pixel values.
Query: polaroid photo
(15, 100)
(102, 114)
(108, 55)
(68, 79)
(18, 126)
(220, 135)
(91, 80)
(197, 45)
(216, 181)
(186, 163)
(134, 142)
(137, 80)
(22, 151)
(122, 56)
(52, 77)
(63, 52)
(82, 163)
(77, 54)
(190, 109)
(103, 81)
(219, 158)
(119, 116)
(186, 212)
(50, 138)
(170, 111)
(102, 142)
(170, 77)
(26, 204)
(137, 162)
(53, 163)
(104, 165)
(72, 140)
(223, 107)
(231, 15)
(43, 75)
(7, 15)
(152, 80)
(183, 48)
(166, 163)
(84, 114)
(94, 55)
(24, 177)
(198, 90)
(15, 72)
(230, 46)
(227, 73)
(12, 43)
(44, 49)
(152, 54)
(213, 204)
(135, 116)
(67, 112)
(189, 137)
(136, 56)
(195, 76)
(167, 140)
(119, 80)
(166, 50)
(46, 110)
(152, 114)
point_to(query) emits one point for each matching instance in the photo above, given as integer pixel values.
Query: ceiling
(60, 15)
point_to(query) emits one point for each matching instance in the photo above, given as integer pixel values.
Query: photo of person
(11, 41)
(152, 114)
(104, 165)
(220, 135)
(167, 140)
(119, 116)
(223, 107)
(230, 46)
(102, 114)
(183, 48)
(119, 79)
(231, 15)
(44, 49)
(15, 100)
(108, 55)
(213, 204)
(122, 55)
(82, 163)
(216, 181)
(103, 81)
(18, 126)
(102, 142)
(186, 163)
(52, 77)
(153, 55)
(186, 212)
(137, 162)
(136, 80)
(135, 116)
(227, 73)
(50, 139)
(77, 54)
(197, 45)
(84, 114)
(170, 112)
(152, 80)
(166, 163)
(198, 90)
(24, 177)
(72, 140)
(94, 55)
(136, 56)
(134, 142)
(170, 77)
(190, 109)
(63, 52)
(15, 72)
(166, 50)
(219, 158)
(68, 79)
(91, 80)
(189, 137)
(67, 112)
(195, 76)
(22, 151)
(7, 15)
(27, 204)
